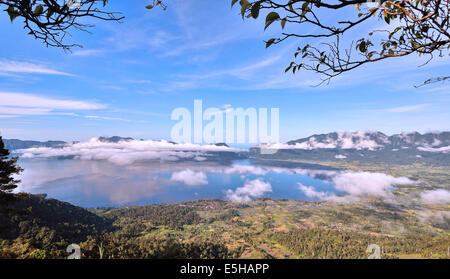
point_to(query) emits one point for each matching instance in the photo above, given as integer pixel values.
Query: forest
(32, 226)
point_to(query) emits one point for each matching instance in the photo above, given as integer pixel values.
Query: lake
(99, 183)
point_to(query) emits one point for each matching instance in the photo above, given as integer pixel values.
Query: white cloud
(126, 152)
(190, 177)
(251, 190)
(242, 169)
(339, 156)
(24, 111)
(367, 183)
(33, 101)
(311, 193)
(138, 81)
(434, 216)
(87, 52)
(15, 67)
(345, 140)
(443, 149)
(355, 185)
(105, 118)
(27, 104)
(407, 108)
(436, 196)
(118, 184)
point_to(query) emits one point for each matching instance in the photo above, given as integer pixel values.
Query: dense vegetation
(172, 216)
(32, 226)
(321, 243)
(35, 227)
(8, 168)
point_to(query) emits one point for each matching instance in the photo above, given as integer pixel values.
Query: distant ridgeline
(369, 147)
(223, 156)
(365, 147)
(13, 144)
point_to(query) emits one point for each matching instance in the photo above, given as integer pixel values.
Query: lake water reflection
(97, 183)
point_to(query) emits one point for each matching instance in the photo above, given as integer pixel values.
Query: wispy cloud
(131, 37)
(8, 67)
(113, 87)
(28, 100)
(105, 118)
(23, 111)
(138, 81)
(26, 104)
(244, 72)
(407, 108)
(88, 52)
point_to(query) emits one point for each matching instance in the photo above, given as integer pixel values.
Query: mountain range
(364, 146)
(433, 142)
(13, 144)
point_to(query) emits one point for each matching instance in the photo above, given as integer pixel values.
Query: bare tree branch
(52, 20)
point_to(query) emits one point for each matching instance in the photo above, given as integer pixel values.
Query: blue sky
(130, 76)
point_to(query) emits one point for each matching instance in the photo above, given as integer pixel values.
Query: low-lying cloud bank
(368, 183)
(129, 154)
(369, 140)
(127, 151)
(343, 140)
(357, 184)
(436, 196)
(352, 185)
(444, 149)
(251, 190)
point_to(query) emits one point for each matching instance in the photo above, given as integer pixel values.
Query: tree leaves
(255, 10)
(305, 9)
(50, 12)
(244, 5)
(156, 3)
(270, 18)
(270, 42)
(12, 13)
(362, 46)
(283, 23)
(38, 10)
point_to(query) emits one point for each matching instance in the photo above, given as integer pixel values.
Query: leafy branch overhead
(411, 26)
(52, 20)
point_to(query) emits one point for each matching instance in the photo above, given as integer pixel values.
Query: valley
(400, 206)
